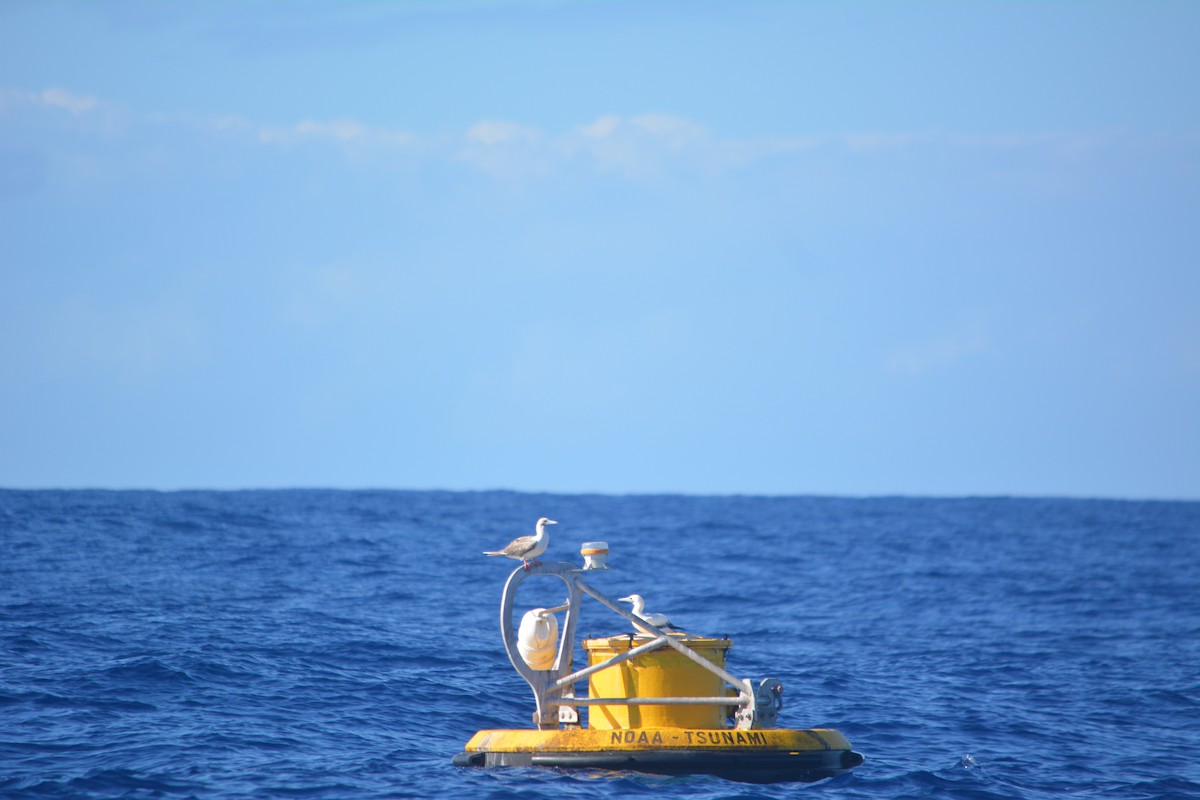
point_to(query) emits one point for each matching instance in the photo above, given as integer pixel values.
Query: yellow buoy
(657, 701)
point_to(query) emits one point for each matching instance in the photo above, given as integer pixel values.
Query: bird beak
(551, 522)
(624, 599)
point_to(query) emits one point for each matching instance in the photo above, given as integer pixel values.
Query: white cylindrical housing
(595, 555)
(537, 638)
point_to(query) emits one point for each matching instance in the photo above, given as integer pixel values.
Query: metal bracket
(768, 702)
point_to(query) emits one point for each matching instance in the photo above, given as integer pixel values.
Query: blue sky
(767, 248)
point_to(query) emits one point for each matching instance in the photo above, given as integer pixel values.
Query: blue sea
(345, 644)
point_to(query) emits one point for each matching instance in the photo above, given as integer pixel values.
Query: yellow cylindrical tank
(662, 673)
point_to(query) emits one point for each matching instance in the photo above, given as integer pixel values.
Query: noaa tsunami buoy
(657, 700)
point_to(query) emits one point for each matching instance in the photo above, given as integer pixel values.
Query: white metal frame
(554, 688)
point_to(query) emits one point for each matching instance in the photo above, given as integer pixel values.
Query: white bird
(654, 618)
(524, 548)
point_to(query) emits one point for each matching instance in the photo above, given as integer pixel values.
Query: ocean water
(345, 644)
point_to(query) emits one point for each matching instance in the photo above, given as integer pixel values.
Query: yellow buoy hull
(759, 756)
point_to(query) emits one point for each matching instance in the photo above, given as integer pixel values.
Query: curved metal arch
(543, 682)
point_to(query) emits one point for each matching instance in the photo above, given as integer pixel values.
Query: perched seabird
(525, 548)
(654, 618)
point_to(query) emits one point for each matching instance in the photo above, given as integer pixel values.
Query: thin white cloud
(68, 101)
(57, 107)
(642, 146)
(1064, 143)
(637, 147)
(602, 128)
(939, 353)
(883, 140)
(343, 130)
(317, 298)
(507, 150)
(54, 98)
(675, 132)
(501, 132)
(225, 124)
(784, 145)
(339, 131)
